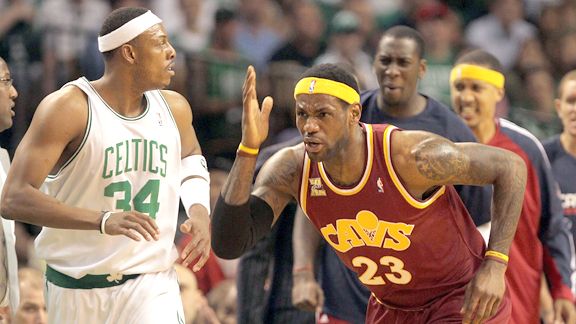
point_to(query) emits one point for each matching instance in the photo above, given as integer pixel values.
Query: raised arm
(239, 218)
(434, 161)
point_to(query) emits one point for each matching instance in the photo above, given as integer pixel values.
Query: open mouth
(312, 146)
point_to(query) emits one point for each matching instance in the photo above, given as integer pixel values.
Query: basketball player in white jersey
(113, 156)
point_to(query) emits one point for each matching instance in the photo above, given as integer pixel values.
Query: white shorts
(148, 299)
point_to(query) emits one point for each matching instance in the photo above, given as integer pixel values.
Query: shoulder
(178, 104)
(412, 143)
(69, 101)
(282, 171)
(526, 141)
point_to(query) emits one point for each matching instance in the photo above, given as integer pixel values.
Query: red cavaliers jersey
(408, 252)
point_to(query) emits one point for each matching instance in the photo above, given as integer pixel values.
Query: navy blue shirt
(345, 296)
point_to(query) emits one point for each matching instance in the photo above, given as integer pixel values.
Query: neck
(484, 132)
(343, 168)
(568, 143)
(120, 94)
(414, 106)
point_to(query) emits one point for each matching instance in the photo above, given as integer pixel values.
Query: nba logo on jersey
(312, 86)
(380, 185)
(160, 122)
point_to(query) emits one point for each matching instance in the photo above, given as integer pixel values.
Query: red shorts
(445, 310)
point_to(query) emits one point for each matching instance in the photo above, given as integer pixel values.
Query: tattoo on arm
(436, 160)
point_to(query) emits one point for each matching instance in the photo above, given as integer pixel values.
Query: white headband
(127, 32)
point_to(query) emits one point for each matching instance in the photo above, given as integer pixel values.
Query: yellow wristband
(249, 150)
(497, 255)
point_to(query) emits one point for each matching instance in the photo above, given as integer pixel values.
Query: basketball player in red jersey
(383, 199)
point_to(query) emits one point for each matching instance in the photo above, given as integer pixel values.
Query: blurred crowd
(47, 43)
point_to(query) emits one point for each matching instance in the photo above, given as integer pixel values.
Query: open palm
(255, 121)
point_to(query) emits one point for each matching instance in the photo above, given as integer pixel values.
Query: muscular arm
(434, 161)
(47, 144)
(182, 113)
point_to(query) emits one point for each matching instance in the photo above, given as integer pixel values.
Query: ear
(557, 105)
(128, 53)
(422, 68)
(499, 94)
(356, 111)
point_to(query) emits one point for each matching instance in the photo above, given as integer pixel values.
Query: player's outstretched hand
(132, 224)
(255, 119)
(197, 226)
(484, 293)
(307, 294)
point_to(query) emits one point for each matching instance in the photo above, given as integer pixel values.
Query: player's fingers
(148, 227)
(205, 253)
(495, 307)
(184, 228)
(130, 234)
(190, 246)
(194, 253)
(267, 104)
(483, 310)
(470, 303)
(140, 230)
(149, 221)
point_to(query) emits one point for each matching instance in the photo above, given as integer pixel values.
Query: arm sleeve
(236, 228)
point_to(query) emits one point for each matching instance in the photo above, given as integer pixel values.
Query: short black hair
(401, 31)
(332, 72)
(481, 57)
(119, 17)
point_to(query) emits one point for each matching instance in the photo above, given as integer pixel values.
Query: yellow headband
(337, 89)
(468, 71)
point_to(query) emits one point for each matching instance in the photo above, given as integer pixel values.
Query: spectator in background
(223, 300)
(502, 32)
(441, 30)
(214, 83)
(543, 242)
(256, 38)
(19, 46)
(561, 148)
(9, 299)
(287, 63)
(69, 26)
(345, 47)
(198, 16)
(196, 308)
(32, 308)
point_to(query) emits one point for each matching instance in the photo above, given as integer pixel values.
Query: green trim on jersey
(84, 140)
(88, 281)
(114, 111)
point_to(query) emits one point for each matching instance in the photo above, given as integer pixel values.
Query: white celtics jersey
(122, 164)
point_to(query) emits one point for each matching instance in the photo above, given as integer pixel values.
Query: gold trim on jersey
(407, 196)
(304, 184)
(367, 170)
